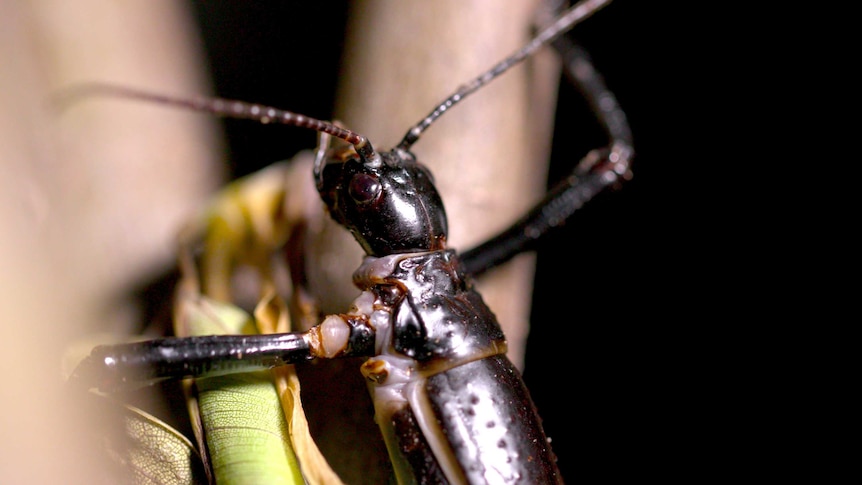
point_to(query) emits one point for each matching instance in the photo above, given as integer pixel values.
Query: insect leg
(115, 367)
(580, 70)
(597, 171)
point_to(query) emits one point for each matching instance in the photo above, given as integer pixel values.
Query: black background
(603, 360)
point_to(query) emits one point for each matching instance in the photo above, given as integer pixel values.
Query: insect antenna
(564, 22)
(229, 108)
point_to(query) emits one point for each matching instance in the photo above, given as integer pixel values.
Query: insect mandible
(436, 356)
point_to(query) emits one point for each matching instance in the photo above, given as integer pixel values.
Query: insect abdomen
(491, 424)
(474, 423)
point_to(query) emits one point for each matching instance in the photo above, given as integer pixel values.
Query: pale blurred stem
(488, 155)
(90, 202)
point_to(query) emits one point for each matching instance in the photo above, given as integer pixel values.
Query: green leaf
(238, 418)
(251, 427)
(155, 453)
(246, 432)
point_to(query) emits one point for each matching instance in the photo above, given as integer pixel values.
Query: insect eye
(364, 188)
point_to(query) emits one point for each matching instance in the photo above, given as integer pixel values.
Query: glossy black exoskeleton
(390, 205)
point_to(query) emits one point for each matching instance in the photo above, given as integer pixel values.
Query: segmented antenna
(564, 22)
(229, 108)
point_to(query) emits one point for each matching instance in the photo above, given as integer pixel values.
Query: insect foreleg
(115, 367)
(597, 171)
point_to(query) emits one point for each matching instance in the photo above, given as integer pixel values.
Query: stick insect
(429, 338)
